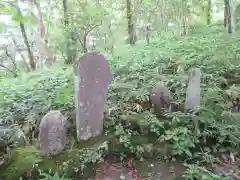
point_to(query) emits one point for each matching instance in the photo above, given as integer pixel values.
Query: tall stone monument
(92, 79)
(193, 90)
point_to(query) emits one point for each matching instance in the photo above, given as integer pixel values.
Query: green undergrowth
(27, 161)
(81, 160)
(136, 69)
(77, 160)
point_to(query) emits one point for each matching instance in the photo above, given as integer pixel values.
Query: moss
(66, 163)
(153, 148)
(94, 141)
(21, 161)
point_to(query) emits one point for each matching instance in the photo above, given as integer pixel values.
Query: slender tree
(131, 33)
(25, 38)
(209, 10)
(227, 16)
(71, 38)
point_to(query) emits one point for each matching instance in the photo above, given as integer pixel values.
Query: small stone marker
(52, 133)
(92, 78)
(193, 90)
(161, 97)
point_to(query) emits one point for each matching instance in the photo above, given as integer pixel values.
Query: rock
(161, 97)
(52, 133)
(233, 94)
(193, 90)
(92, 78)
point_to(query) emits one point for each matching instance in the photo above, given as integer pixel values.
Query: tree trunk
(85, 50)
(11, 55)
(41, 26)
(148, 33)
(30, 54)
(131, 34)
(164, 23)
(66, 22)
(229, 21)
(71, 37)
(71, 48)
(46, 53)
(184, 20)
(209, 10)
(8, 69)
(26, 42)
(227, 16)
(83, 41)
(20, 52)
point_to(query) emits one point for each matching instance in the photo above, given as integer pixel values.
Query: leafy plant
(181, 139)
(196, 172)
(136, 70)
(54, 177)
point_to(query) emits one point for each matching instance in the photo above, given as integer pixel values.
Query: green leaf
(2, 7)
(188, 153)
(17, 17)
(5, 8)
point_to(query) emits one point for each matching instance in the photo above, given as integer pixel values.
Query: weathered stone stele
(193, 90)
(92, 79)
(161, 97)
(52, 133)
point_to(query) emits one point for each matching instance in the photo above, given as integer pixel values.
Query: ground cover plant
(215, 130)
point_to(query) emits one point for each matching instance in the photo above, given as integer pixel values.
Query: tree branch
(79, 39)
(14, 73)
(93, 27)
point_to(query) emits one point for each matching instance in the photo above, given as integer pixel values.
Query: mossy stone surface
(21, 160)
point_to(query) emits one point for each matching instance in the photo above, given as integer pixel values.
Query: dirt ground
(162, 171)
(143, 171)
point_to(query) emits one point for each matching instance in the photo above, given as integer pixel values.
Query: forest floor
(27, 98)
(156, 170)
(144, 170)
